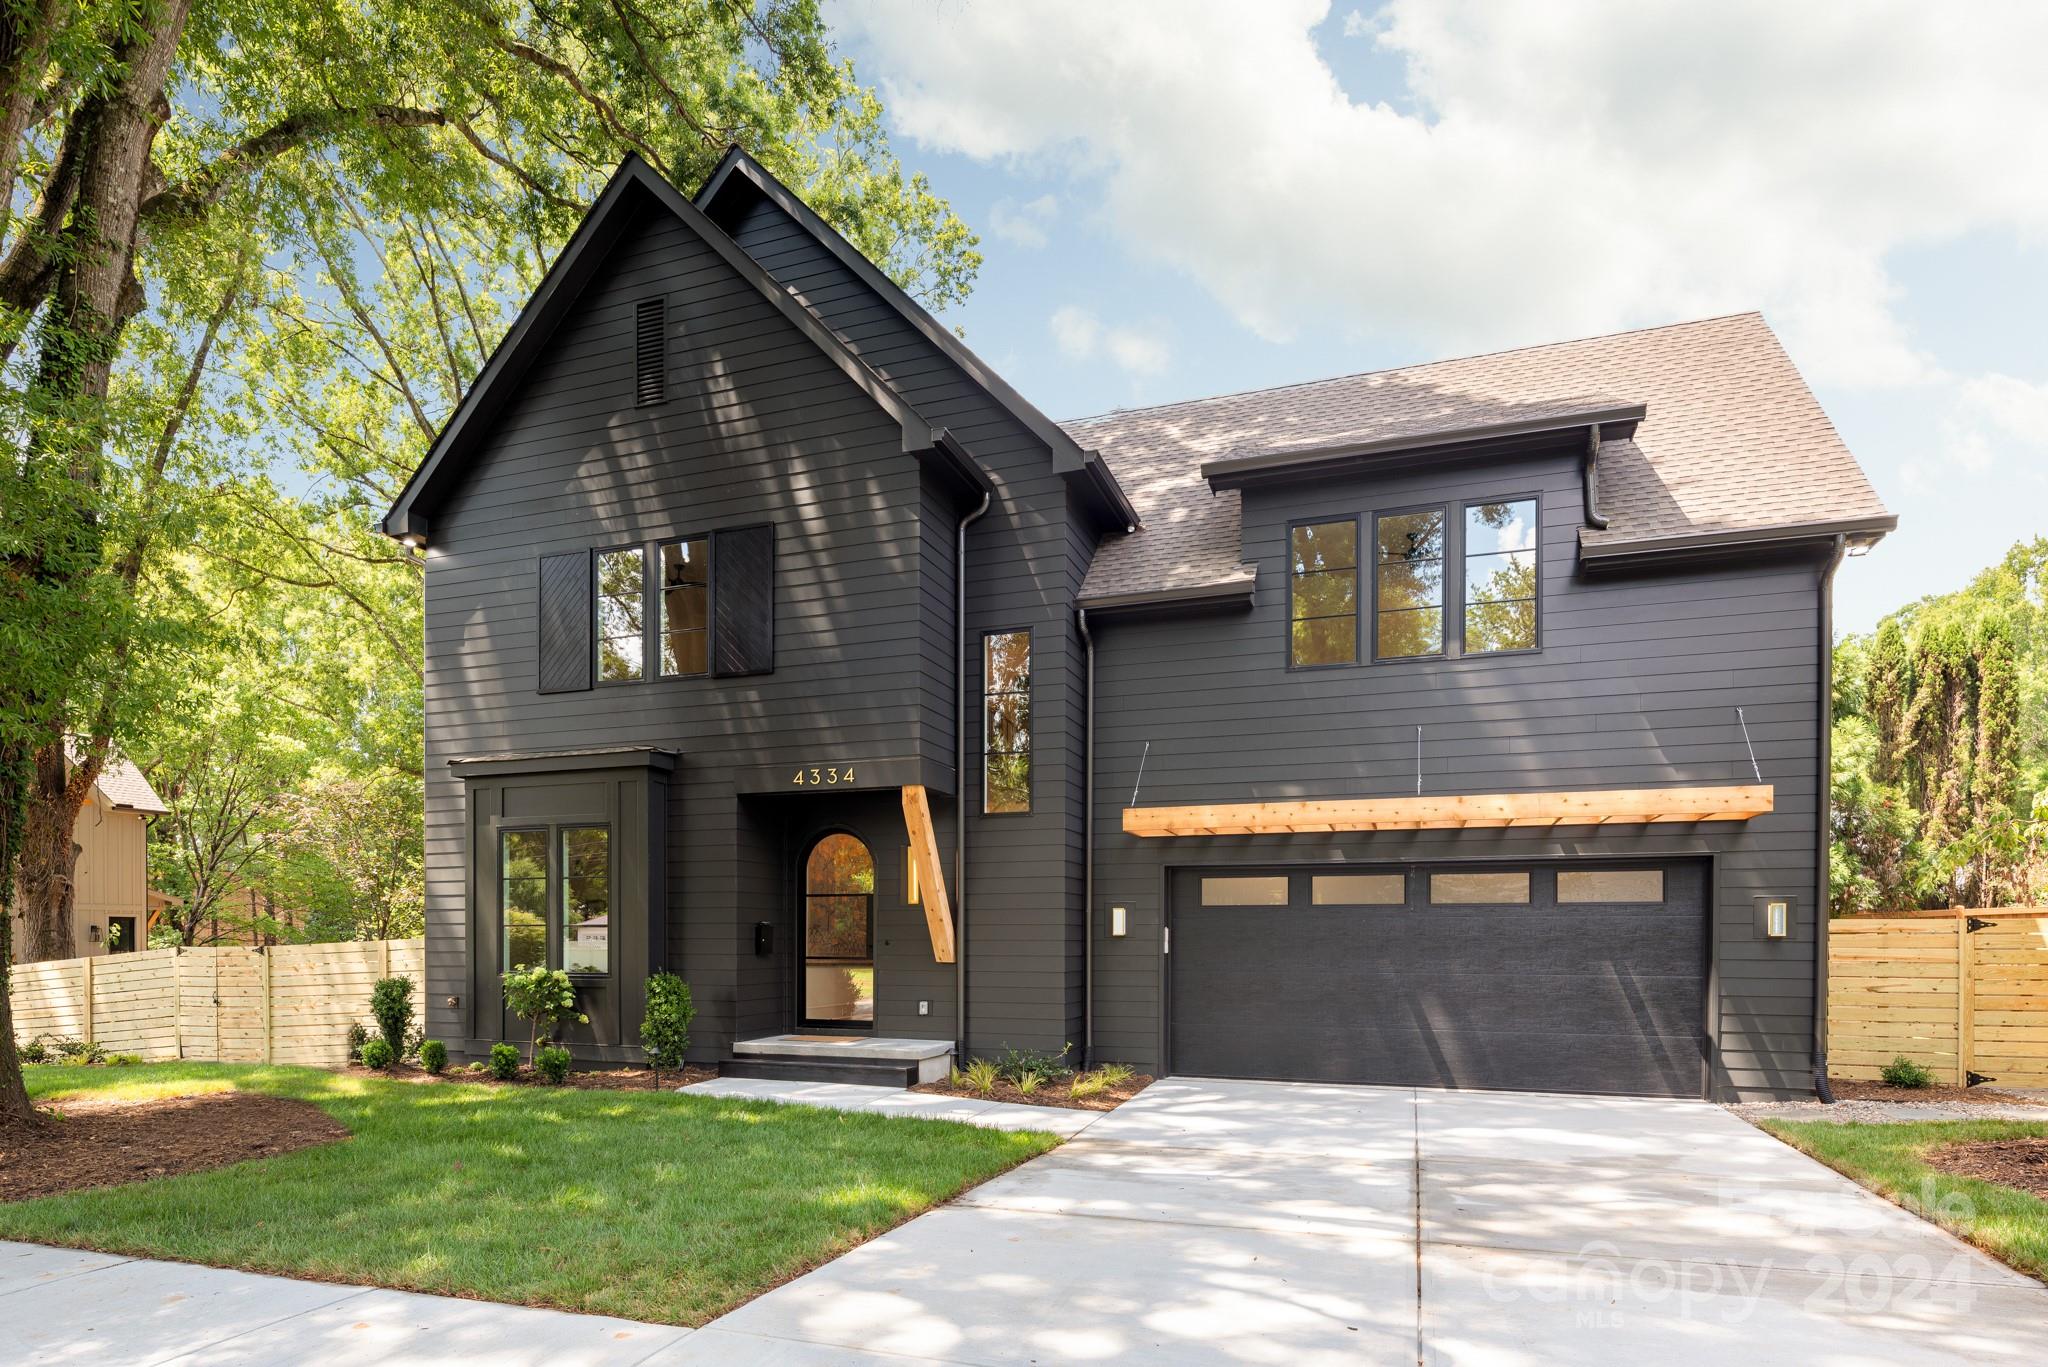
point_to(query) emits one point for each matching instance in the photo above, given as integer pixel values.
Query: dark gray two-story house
(1460, 725)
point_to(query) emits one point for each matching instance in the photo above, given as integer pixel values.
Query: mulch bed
(2021, 1163)
(107, 1143)
(1865, 1089)
(1048, 1094)
(600, 1080)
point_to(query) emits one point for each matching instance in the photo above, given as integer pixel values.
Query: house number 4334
(823, 778)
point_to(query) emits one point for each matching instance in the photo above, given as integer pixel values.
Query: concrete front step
(875, 1061)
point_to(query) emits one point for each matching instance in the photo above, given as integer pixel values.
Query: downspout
(1589, 471)
(1822, 820)
(1087, 848)
(960, 779)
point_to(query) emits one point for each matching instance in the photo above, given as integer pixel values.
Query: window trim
(1536, 549)
(710, 540)
(1444, 650)
(1030, 706)
(597, 555)
(1358, 592)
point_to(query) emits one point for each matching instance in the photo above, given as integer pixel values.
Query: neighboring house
(1394, 728)
(110, 910)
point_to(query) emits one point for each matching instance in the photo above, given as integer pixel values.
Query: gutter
(1621, 552)
(1087, 847)
(1823, 800)
(960, 777)
(1590, 471)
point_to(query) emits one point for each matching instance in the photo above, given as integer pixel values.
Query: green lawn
(649, 1205)
(2008, 1224)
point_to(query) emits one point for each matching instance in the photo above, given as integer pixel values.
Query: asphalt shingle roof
(1733, 440)
(121, 784)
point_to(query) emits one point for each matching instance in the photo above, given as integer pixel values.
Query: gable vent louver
(650, 352)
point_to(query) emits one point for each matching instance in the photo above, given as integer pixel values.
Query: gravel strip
(1884, 1112)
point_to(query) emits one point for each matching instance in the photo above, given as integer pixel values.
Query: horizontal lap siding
(1022, 935)
(760, 427)
(1636, 684)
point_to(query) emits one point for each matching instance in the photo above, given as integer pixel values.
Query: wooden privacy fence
(1964, 993)
(283, 1004)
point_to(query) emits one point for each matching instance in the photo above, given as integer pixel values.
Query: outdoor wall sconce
(1774, 917)
(1119, 923)
(95, 934)
(452, 1002)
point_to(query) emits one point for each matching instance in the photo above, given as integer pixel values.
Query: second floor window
(1408, 586)
(1323, 593)
(621, 596)
(1006, 721)
(1500, 576)
(686, 607)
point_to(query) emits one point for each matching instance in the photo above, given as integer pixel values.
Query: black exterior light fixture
(1774, 917)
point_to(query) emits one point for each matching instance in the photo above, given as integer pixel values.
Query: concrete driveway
(1290, 1224)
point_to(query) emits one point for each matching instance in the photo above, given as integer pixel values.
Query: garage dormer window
(1408, 584)
(1322, 604)
(1500, 576)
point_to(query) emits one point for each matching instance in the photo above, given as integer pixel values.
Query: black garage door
(1572, 978)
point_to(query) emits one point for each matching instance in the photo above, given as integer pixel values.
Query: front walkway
(1217, 1222)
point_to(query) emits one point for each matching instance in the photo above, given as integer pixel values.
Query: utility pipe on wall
(1821, 819)
(960, 779)
(1087, 847)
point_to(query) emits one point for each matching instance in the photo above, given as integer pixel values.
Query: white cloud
(1358, 24)
(1023, 224)
(1081, 336)
(1555, 170)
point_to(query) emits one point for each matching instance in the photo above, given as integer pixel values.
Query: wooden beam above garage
(1593, 807)
(931, 874)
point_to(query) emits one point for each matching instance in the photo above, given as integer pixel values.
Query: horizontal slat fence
(1959, 992)
(283, 1004)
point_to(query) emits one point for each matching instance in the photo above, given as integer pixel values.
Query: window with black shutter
(743, 601)
(650, 352)
(565, 623)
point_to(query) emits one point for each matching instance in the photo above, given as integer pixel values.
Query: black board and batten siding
(1023, 870)
(760, 431)
(1636, 684)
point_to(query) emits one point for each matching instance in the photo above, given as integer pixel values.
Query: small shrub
(379, 1055)
(1115, 1074)
(477, 1066)
(123, 1060)
(63, 1048)
(553, 1064)
(391, 1008)
(35, 1051)
(1087, 1085)
(982, 1076)
(504, 1061)
(1903, 1072)
(544, 997)
(1029, 1082)
(414, 1038)
(665, 1032)
(433, 1055)
(1012, 1064)
(95, 1052)
(358, 1035)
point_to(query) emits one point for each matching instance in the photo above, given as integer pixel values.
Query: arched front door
(839, 932)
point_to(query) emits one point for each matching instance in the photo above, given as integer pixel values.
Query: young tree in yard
(166, 151)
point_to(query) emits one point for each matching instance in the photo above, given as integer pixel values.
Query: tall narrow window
(586, 899)
(523, 896)
(1409, 585)
(1500, 576)
(1323, 593)
(621, 618)
(686, 607)
(650, 351)
(1006, 721)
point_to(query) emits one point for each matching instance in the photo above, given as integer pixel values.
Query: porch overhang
(1593, 807)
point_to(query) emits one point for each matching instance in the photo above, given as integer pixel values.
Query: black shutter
(564, 628)
(650, 351)
(743, 601)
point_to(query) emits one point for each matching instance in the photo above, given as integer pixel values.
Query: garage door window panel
(1261, 891)
(1592, 887)
(1359, 890)
(1490, 889)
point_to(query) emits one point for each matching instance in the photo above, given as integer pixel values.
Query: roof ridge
(1413, 365)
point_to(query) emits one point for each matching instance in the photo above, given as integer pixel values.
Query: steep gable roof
(1730, 445)
(633, 189)
(739, 173)
(121, 784)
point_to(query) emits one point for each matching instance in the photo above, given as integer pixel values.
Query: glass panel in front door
(838, 912)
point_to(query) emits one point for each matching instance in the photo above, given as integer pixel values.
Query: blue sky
(1180, 198)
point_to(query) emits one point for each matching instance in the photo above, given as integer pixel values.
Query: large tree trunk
(14, 775)
(49, 860)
